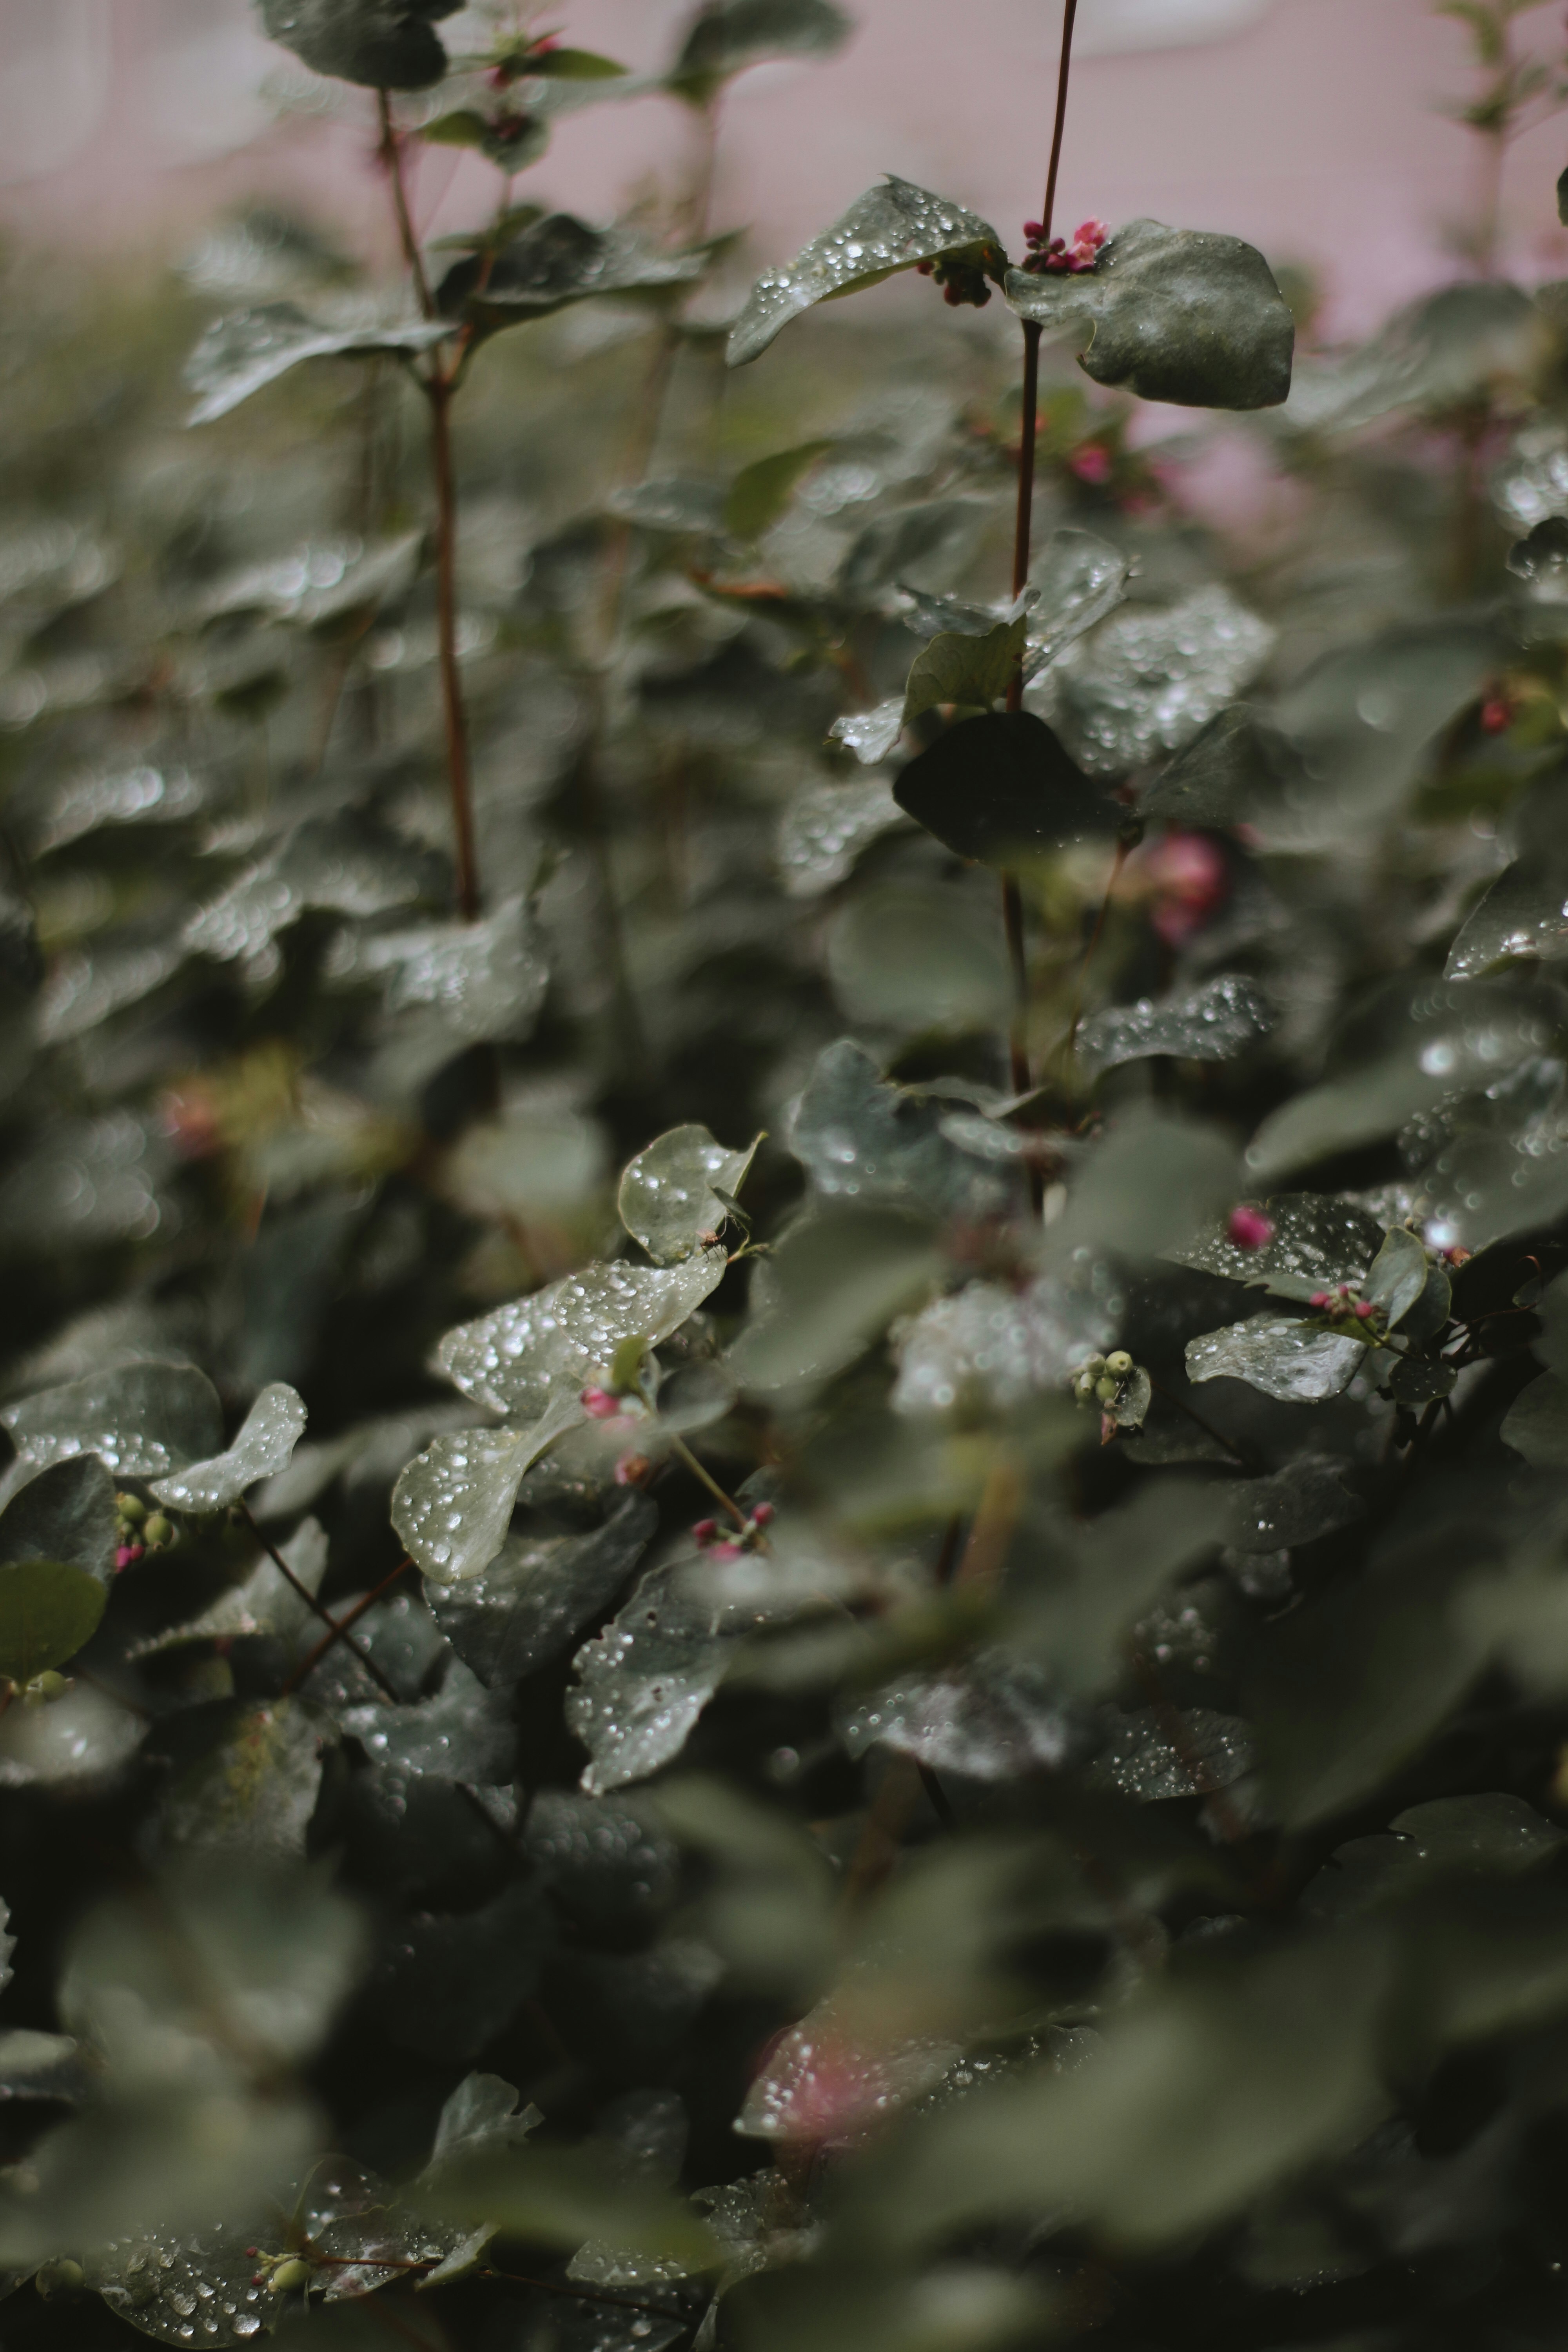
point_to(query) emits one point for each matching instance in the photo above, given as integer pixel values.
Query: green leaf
(761, 492)
(1237, 768)
(825, 828)
(1318, 1239)
(1173, 314)
(728, 35)
(381, 44)
(665, 1201)
(1536, 1423)
(573, 65)
(557, 261)
(1000, 789)
(890, 227)
(264, 1446)
(1143, 1185)
(1075, 1615)
(338, 865)
(1397, 1274)
(1150, 678)
(265, 1603)
(538, 1593)
(1523, 914)
(453, 1505)
(1213, 1023)
(141, 1420)
(835, 1284)
(861, 1139)
(917, 957)
(543, 1350)
(48, 1611)
(560, 2196)
(240, 354)
(1299, 1363)
(254, 1791)
(65, 1513)
(1294, 1506)
(510, 140)
(1492, 1836)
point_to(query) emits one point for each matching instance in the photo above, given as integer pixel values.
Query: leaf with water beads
(453, 1505)
(141, 1420)
(264, 1445)
(889, 228)
(1148, 681)
(1179, 315)
(1299, 1363)
(242, 353)
(533, 1599)
(665, 1199)
(338, 866)
(1297, 1504)
(189, 2291)
(525, 1357)
(1004, 1345)
(826, 826)
(254, 1791)
(1140, 1760)
(994, 1718)
(557, 261)
(67, 1513)
(1525, 912)
(1213, 1023)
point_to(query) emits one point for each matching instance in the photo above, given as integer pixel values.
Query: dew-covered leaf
(264, 1446)
(453, 1505)
(1002, 789)
(1297, 1504)
(338, 865)
(890, 227)
(48, 1610)
(526, 1358)
(826, 826)
(1494, 1834)
(727, 36)
(538, 1593)
(610, 1866)
(463, 1732)
(1213, 1023)
(1003, 1345)
(1148, 681)
(381, 44)
(142, 1419)
(1078, 579)
(1180, 315)
(835, 1284)
(994, 1718)
(359, 2234)
(75, 1746)
(1318, 1240)
(1140, 1758)
(252, 1794)
(557, 261)
(1525, 912)
(65, 1513)
(1299, 1363)
(266, 1603)
(665, 1199)
(240, 354)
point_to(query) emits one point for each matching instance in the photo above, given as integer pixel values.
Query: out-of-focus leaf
(1078, 580)
(916, 957)
(1075, 1618)
(890, 227)
(994, 1719)
(835, 1283)
(1397, 1274)
(825, 828)
(926, 544)
(453, 1505)
(1483, 1837)
(65, 1513)
(141, 1420)
(953, 2306)
(480, 2115)
(1441, 352)
(85, 1181)
(860, 1139)
(45, 2066)
(731, 34)
(48, 1611)
(1318, 1241)
(537, 1593)
(1146, 682)
(1002, 789)
(253, 1794)
(665, 1200)
(340, 865)
(381, 44)
(1525, 912)
(1215, 1023)
(1173, 314)
(761, 492)
(75, 1746)
(1004, 1345)
(463, 1732)
(561, 2196)
(526, 1358)
(1145, 1185)
(610, 1866)
(1535, 1424)
(84, 989)
(446, 1986)
(1297, 1504)
(265, 1603)
(1299, 1363)
(251, 349)
(557, 261)
(264, 1446)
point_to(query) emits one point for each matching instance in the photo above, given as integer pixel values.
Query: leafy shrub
(782, 1560)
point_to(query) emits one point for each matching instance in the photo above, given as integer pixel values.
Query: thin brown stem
(1018, 965)
(338, 1627)
(391, 153)
(1069, 15)
(683, 1454)
(439, 392)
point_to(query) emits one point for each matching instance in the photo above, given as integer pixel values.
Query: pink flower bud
(1497, 715)
(599, 1404)
(125, 1554)
(1321, 1298)
(1365, 1309)
(1034, 232)
(1092, 233)
(724, 1552)
(632, 1469)
(762, 1515)
(1091, 463)
(705, 1530)
(1249, 1229)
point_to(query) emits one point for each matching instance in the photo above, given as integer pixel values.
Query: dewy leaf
(537, 1594)
(1525, 912)
(556, 261)
(1318, 1241)
(827, 825)
(141, 1420)
(242, 353)
(969, 668)
(65, 1513)
(340, 865)
(264, 1446)
(1179, 315)
(729, 35)
(1138, 1759)
(1004, 1344)
(994, 1718)
(927, 543)
(1296, 1362)
(1078, 580)
(1293, 1506)
(1146, 682)
(1483, 1836)
(889, 228)
(1213, 1023)
(527, 1356)
(47, 1610)
(665, 1201)
(837, 1282)
(381, 44)
(1002, 789)
(453, 1505)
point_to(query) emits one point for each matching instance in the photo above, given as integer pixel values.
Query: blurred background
(1313, 127)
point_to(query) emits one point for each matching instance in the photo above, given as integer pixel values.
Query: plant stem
(319, 1609)
(391, 153)
(439, 392)
(340, 1627)
(683, 1454)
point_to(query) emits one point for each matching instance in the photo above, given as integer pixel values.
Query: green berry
(1106, 1391)
(62, 2277)
(131, 1507)
(1094, 1366)
(158, 1529)
(289, 2275)
(1119, 1365)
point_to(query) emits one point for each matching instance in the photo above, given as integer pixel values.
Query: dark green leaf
(760, 493)
(1215, 1024)
(556, 261)
(253, 347)
(1001, 789)
(1173, 314)
(1299, 1363)
(141, 1420)
(47, 1610)
(727, 36)
(381, 44)
(665, 1200)
(835, 1284)
(1536, 1424)
(1483, 1836)
(538, 1593)
(65, 1513)
(1318, 1240)
(541, 1351)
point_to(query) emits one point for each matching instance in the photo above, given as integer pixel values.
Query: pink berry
(1321, 1298)
(705, 1530)
(599, 1404)
(124, 1555)
(1364, 1307)
(1497, 716)
(1249, 1229)
(1091, 464)
(1034, 232)
(762, 1515)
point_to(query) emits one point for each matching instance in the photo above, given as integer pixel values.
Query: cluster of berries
(960, 281)
(1342, 1304)
(726, 1543)
(139, 1531)
(1099, 1379)
(1053, 257)
(279, 2274)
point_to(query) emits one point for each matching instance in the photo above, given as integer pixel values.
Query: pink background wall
(1309, 127)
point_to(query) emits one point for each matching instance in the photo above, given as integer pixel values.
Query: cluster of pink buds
(1343, 1300)
(1249, 1228)
(1055, 256)
(604, 1405)
(961, 281)
(726, 1543)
